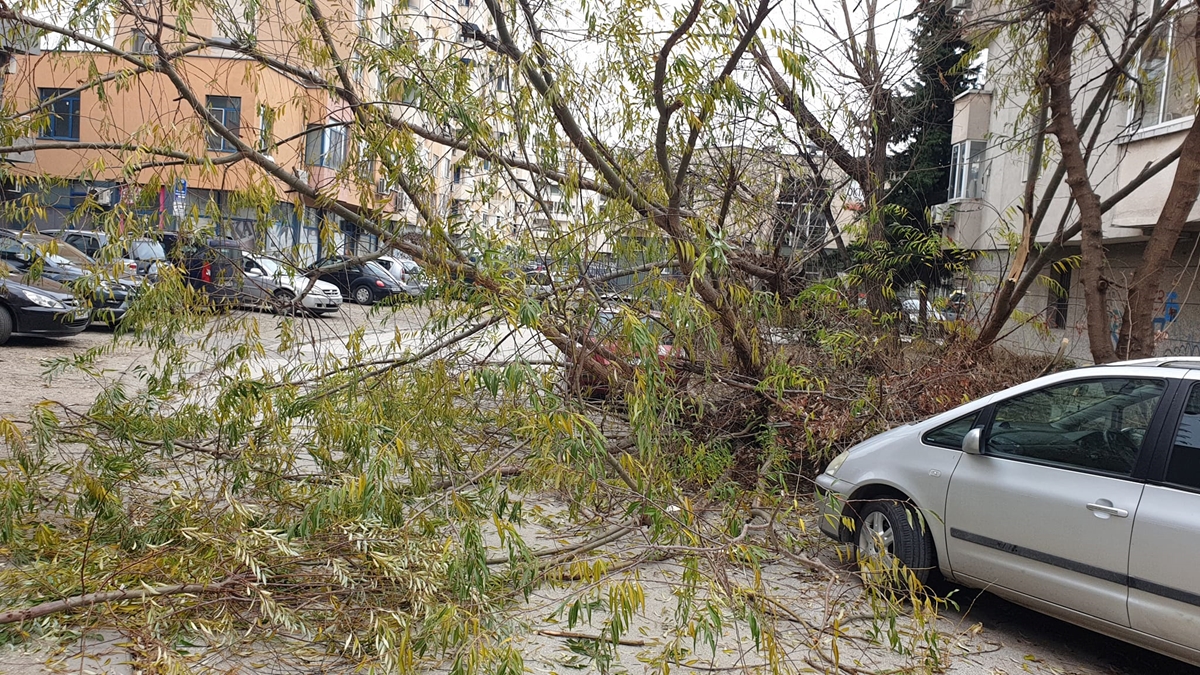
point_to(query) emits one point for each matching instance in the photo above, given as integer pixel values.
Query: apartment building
(991, 156)
(84, 146)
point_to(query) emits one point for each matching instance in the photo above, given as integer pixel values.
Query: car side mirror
(972, 441)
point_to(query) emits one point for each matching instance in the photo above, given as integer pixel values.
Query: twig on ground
(89, 599)
(596, 638)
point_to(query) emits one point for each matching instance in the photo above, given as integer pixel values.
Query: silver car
(270, 283)
(1076, 494)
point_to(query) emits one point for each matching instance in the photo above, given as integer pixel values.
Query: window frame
(1138, 121)
(966, 170)
(1149, 455)
(71, 117)
(330, 141)
(234, 106)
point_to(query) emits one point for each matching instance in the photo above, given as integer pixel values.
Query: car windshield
(38, 252)
(147, 249)
(62, 249)
(272, 268)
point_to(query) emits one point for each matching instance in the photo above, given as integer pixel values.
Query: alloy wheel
(876, 537)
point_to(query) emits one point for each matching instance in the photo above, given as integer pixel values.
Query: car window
(951, 435)
(1184, 468)
(145, 249)
(1096, 424)
(12, 250)
(83, 243)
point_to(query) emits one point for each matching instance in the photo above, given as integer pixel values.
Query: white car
(406, 272)
(271, 282)
(912, 311)
(1076, 494)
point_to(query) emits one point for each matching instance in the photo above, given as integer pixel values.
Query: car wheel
(285, 302)
(889, 529)
(6, 325)
(363, 295)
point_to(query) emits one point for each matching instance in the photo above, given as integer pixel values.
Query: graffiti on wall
(1169, 302)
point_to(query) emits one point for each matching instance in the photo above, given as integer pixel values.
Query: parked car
(1074, 494)
(363, 282)
(406, 272)
(911, 308)
(604, 332)
(142, 254)
(214, 267)
(44, 307)
(29, 254)
(273, 283)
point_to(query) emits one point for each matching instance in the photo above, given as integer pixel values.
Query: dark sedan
(47, 309)
(363, 282)
(30, 255)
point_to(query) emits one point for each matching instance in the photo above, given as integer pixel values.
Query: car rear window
(146, 249)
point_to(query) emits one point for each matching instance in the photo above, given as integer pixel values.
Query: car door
(1046, 508)
(1164, 588)
(257, 287)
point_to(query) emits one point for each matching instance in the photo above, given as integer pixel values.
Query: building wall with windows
(303, 129)
(992, 150)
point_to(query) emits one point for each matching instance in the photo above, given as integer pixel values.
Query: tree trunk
(1137, 326)
(1063, 23)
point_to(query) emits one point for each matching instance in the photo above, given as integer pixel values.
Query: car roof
(1183, 362)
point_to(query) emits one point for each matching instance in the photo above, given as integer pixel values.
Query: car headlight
(42, 300)
(837, 463)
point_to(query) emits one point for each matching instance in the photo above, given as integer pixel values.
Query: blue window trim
(59, 116)
(222, 113)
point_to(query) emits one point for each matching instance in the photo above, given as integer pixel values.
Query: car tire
(285, 302)
(904, 534)
(6, 325)
(364, 296)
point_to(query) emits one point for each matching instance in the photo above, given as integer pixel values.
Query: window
(951, 435)
(464, 3)
(458, 174)
(141, 43)
(1184, 468)
(502, 82)
(1059, 302)
(228, 111)
(1167, 73)
(266, 125)
(63, 112)
(410, 93)
(1096, 425)
(966, 164)
(325, 145)
(236, 19)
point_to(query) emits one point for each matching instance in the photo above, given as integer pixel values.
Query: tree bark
(1064, 20)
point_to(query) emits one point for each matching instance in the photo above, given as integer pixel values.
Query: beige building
(991, 157)
(86, 140)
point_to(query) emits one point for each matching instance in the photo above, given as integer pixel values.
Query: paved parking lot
(1026, 641)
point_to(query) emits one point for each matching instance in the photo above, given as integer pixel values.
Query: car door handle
(1110, 510)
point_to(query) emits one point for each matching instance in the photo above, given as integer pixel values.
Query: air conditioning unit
(940, 214)
(959, 5)
(107, 196)
(302, 174)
